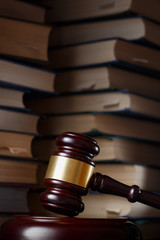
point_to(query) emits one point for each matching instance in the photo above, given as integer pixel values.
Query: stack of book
(107, 57)
(23, 54)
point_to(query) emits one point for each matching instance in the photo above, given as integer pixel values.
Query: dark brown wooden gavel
(70, 174)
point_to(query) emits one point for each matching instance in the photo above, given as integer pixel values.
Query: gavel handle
(105, 184)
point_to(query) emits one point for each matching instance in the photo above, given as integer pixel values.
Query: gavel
(70, 175)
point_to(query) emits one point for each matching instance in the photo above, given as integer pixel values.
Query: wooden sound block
(65, 228)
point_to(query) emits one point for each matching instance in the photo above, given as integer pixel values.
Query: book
(43, 147)
(114, 125)
(25, 76)
(103, 78)
(111, 149)
(116, 51)
(99, 205)
(29, 11)
(13, 200)
(41, 172)
(16, 145)
(89, 9)
(146, 177)
(129, 28)
(11, 98)
(127, 150)
(21, 200)
(15, 121)
(24, 40)
(22, 11)
(94, 102)
(21, 173)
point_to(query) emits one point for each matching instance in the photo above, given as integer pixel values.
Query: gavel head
(69, 173)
